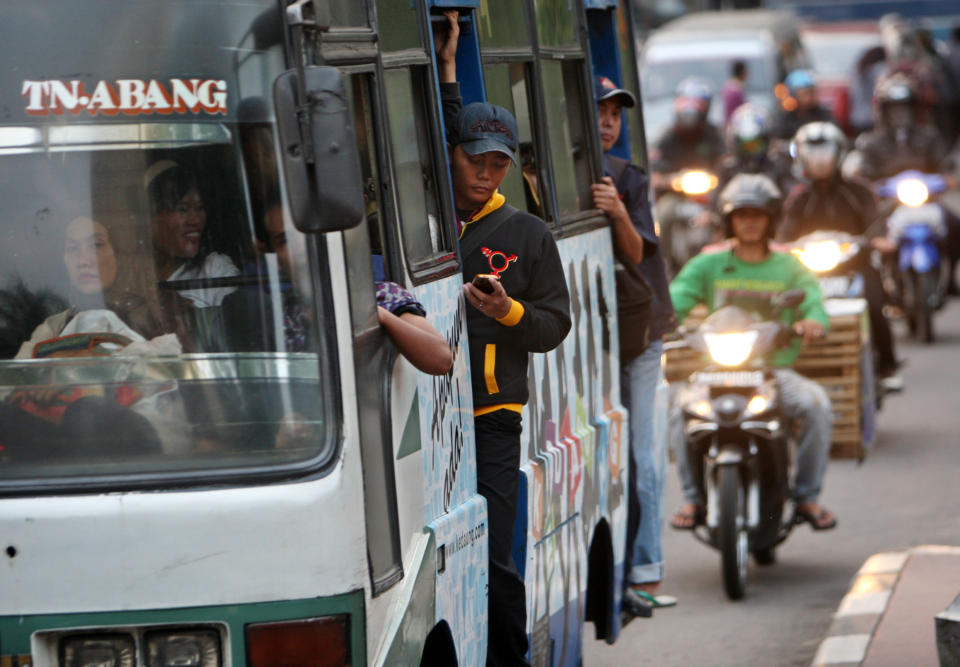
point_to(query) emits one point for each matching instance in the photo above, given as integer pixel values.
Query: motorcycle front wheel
(732, 531)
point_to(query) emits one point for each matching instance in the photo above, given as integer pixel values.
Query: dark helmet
(750, 191)
(895, 89)
(748, 134)
(819, 149)
(896, 100)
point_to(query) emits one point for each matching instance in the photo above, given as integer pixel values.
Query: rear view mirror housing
(321, 164)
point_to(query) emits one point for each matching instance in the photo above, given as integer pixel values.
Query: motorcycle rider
(901, 141)
(692, 142)
(801, 106)
(832, 202)
(748, 275)
(749, 148)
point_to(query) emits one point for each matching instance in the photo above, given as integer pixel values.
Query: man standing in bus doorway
(622, 195)
(514, 283)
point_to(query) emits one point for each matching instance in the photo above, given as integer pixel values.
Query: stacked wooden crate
(836, 363)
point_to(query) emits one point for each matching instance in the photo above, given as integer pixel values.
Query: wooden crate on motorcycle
(842, 364)
(680, 363)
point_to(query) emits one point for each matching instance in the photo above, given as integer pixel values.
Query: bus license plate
(730, 378)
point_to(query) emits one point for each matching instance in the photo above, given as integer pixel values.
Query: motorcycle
(920, 277)
(684, 216)
(828, 254)
(738, 444)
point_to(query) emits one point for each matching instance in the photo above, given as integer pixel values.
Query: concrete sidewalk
(887, 617)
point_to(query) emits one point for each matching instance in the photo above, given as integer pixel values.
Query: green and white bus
(228, 463)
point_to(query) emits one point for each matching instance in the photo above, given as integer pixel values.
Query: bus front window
(157, 311)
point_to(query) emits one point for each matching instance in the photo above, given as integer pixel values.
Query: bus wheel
(439, 649)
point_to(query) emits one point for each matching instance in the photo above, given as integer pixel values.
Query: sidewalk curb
(861, 609)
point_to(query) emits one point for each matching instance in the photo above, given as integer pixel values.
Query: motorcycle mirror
(789, 299)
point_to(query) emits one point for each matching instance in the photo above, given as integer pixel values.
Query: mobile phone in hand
(484, 283)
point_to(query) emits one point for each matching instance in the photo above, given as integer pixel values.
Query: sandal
(656, 601)
(686, 520)
(822, 520)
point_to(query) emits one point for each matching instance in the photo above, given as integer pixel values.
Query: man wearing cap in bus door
(514, 283)
(622, 195)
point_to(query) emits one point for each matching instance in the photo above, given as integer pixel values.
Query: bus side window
(508, 86)
(566, 128)
(415, 177)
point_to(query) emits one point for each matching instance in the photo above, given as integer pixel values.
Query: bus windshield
(156, 306)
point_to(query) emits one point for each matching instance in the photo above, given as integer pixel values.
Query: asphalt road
(905, 493)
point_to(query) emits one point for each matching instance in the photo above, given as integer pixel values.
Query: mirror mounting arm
(304, 27)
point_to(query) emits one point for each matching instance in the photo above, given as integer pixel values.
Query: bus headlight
(730, 349)
(912, 192)
(183, 648)
(114, 650)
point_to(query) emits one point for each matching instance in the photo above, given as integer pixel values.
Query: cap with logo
(606, 89)
(482, 127)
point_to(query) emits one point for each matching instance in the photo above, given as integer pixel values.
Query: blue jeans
(639, 380)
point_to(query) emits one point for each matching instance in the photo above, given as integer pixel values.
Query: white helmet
(819, 149)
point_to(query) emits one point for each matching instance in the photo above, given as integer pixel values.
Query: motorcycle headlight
(912, 192)
(819, 256)
(730, 349)
(762, 400)
(695, 182)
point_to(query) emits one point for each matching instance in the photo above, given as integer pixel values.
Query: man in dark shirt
(622, 195)
(831, 202)
(520, 306)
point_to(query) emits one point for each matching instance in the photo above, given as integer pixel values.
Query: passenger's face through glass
(277, 237)
(89, 256)
(177, 231)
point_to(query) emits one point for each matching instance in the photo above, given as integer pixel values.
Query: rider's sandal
(688, 520)
(816, 520)
(656, 601)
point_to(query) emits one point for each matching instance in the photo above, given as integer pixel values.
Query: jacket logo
(499, 261)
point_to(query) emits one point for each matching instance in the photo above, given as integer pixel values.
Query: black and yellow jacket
(522, 251)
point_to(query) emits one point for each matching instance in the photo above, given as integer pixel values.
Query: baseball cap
(482, 127)
(605, 89)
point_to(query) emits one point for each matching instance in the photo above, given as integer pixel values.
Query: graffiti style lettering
(131, 97)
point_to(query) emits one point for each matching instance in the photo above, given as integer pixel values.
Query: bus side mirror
(321, 164)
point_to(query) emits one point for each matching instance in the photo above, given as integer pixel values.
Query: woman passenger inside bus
(97, 304)
(181, 237)
(65, 420)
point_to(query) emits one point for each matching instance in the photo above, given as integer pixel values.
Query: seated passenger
(65, 420)
(178, 227)
(97, 305)
(398, 312)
